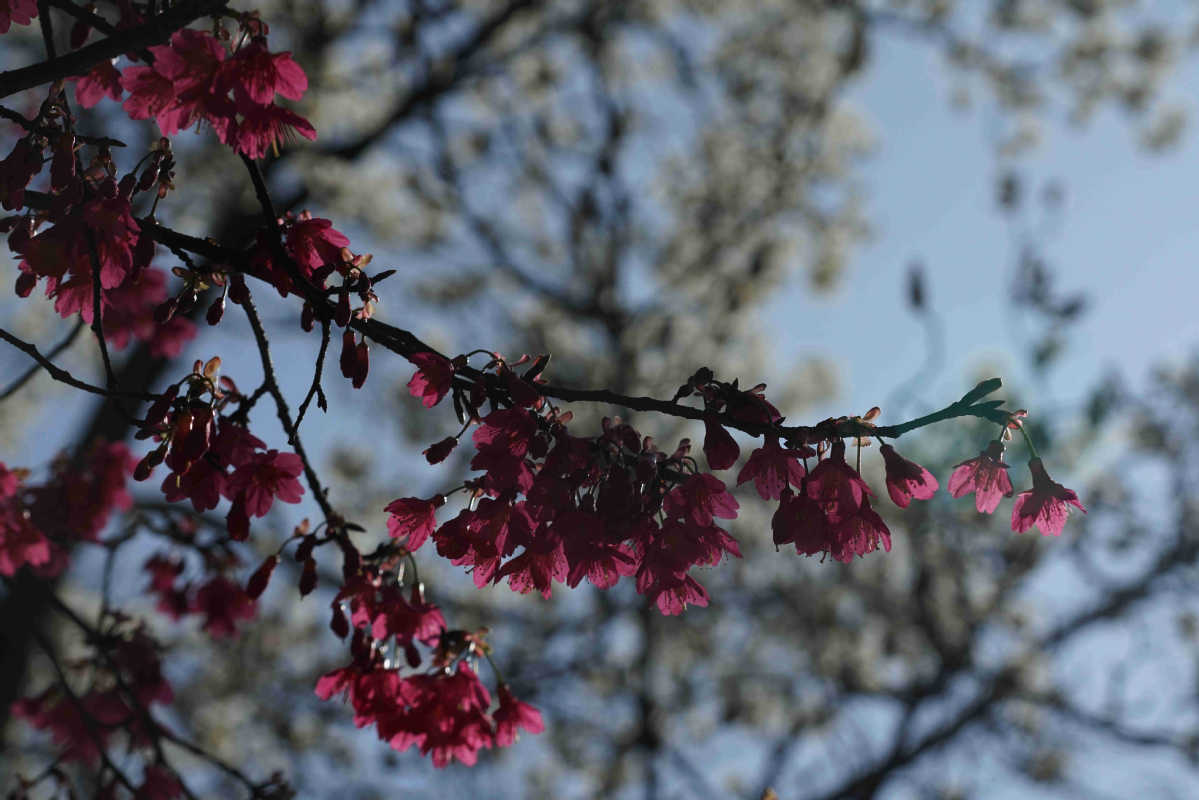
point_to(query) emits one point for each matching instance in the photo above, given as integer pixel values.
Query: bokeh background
(859, 203)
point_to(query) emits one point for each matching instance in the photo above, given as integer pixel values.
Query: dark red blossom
(137, 656)
(150, 93)
(436, 453)
(262, 127)
(256, 75)
(80, 725)
(433, 378)
(158, 783)
(79, 499)
(261, 577)
(858, 534)
(906, 479)
(513, 715)
(986, 476)
(264, 478)
(408, 620)
(21, 12)
(443, 713)
(164, 572)
(191, 81)
(719, 447)
(800, 520)
(223, 603)
(445, 716)
(837, 486)
(773, 468)
(1045, 505)
(700, 498)
(103, 80)
(459, 541)
(203, 484)
(591, 551)
(21, 542)
(16, 170)
(542, 562)
(313, 242)
(413, 519)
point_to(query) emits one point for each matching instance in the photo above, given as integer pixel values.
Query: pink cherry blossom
(1045, 505)
(986, 476)
(906, 479)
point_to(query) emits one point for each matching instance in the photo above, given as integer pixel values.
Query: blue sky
(1126, 238)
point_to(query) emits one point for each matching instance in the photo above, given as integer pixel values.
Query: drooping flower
(699, 498)
(436, 453)
(1045, 505)
(772, 468)
(837, 486)
(800, 520)
(164, 571)
(513, 714)
(542, 562)
(906, 479)
(313, 242)
(104, 79)
(223, 603)
(264, 478)
(986, 476)
(859, 534)
(433, 378)
(256, 74)
(261, 127)
(719, 446)
(413, 519)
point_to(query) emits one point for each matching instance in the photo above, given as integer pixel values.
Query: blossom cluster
(115, 691)
(196, 79)
(554, 507)
(210, 454)
(221, 601)
(1045, 505)
(394, 631)
(88, 235)
(443, 712)
(39, 522)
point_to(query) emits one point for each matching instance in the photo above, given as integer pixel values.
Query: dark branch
(155, 31)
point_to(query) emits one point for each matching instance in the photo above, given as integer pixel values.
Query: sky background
(1126, 239)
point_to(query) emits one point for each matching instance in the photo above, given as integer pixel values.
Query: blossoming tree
(546, 499)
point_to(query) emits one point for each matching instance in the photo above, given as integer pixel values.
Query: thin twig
(98, 310)
(88, 721)
(16, 385)
(62, 375)
(34, 126)
(315, 389)
(281, 407)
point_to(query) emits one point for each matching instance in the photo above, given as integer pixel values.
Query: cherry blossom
(906, 479)
(985, 475)
(1045, 505)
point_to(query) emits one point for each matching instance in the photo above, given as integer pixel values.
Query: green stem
(1032, 448)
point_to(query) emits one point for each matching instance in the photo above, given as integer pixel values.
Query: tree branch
(156, 30)
(62, 375)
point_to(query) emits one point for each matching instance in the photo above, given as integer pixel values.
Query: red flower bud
(216, 311)
(308, 577)
(261, 577)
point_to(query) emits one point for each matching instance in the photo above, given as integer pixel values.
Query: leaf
(989, 386)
